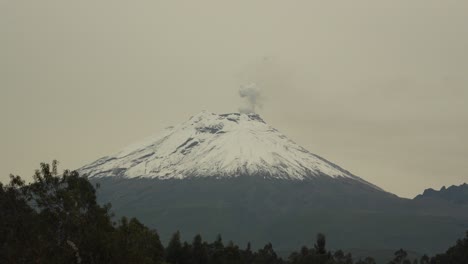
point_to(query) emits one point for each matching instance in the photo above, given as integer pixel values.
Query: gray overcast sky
(378, 87)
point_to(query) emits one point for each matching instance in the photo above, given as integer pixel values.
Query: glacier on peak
(212, 145)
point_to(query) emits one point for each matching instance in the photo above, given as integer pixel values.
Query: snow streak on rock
(211, 145)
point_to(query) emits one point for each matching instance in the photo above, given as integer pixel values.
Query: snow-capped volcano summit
(212, 145)
(235, 175)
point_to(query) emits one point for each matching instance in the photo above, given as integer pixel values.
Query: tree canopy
(56, 219)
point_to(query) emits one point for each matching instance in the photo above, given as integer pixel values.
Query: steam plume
(252, 95)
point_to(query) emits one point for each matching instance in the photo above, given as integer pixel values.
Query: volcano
(235, 175)
(219, 146)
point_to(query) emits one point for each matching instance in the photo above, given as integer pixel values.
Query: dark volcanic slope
(286, 213)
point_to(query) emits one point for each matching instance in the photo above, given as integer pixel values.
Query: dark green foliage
(401, 257)
(266, 255)
(232, 254)
(186, 254)
(217, 251)
(174, 249)
(319, 254)
(341, 258)
(454, 255)
(320, 245)
(424, 260)
(367, 260)
(199, 251)
(69, 219)
(247, 255)
(17, 227)
(56, 219)
(136, 243)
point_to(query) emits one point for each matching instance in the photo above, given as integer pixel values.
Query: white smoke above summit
(252, 96)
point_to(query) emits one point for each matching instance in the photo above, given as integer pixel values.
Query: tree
(199, 251)
(217, 250)
(349, 259)
(320, 244)
(266, 255)
(247, 256)
(455, 254)
(73, 226)
(367, 260)
(137, 243)
(60, 218)
(232, 253)
(400, 257)
(18, 240)
(424, 259)
(174, 249)
(56, 219)
(340, 258)
(186, 254)
(320, 253)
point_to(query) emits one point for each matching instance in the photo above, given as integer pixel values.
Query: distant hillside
(454, 194)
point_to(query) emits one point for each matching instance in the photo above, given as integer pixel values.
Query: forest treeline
(56, 219)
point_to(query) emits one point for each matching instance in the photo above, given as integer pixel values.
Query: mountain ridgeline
(453, 194)
(234, 174)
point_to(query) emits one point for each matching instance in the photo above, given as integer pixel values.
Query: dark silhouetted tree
(424, 260)
(199, 251)
(266, 255)
(174, 249)
(320, 244)
(137, 244)
(247, 256)
(400, 257)
(455, 254)
(367, 260)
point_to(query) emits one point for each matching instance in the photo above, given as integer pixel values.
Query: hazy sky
(377, 87)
